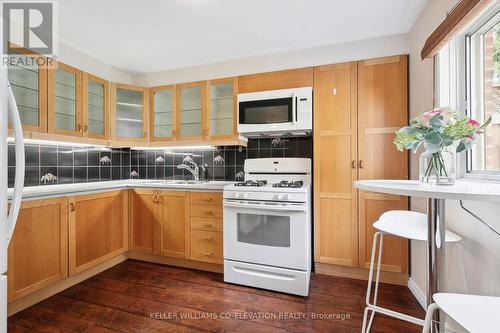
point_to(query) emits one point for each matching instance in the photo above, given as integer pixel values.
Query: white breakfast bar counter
(436, 196)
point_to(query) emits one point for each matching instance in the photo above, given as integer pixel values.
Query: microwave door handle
(294, 108)
(19, 149)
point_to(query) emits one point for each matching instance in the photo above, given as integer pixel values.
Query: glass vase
(438, 168)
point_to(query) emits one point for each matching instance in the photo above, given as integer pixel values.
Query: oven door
(267, 233)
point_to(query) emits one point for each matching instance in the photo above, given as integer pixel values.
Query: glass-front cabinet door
(191, 111)
(95, 107)
(222, 108)
(162, 113)
(29, 84)
(65, 102)
(129, 112)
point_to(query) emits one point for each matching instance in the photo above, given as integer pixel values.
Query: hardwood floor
(136, 296)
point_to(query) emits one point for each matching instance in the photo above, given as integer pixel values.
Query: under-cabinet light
(56, 143)
(175, 148)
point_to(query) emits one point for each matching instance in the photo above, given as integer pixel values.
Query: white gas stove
(267, 226)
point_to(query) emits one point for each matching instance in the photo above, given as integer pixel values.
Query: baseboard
(418, 293)
(400, 279)
(204, 266)
(39, 295)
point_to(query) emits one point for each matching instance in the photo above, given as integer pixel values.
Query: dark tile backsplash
(89, 164)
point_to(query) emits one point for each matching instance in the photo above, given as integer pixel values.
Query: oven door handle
(280, 208)
(294, 108)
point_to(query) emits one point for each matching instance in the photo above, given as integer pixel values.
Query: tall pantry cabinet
(358, 107)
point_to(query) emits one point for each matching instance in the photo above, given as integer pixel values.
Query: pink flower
(473, 122)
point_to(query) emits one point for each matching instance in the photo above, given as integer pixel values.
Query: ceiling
(141, 36)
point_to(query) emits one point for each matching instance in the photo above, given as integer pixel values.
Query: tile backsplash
(90, 164)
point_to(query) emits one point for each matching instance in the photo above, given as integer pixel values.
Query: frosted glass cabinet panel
(222, 108)
(129, 112)
(191, 110)
(162, 106)
(65, 100)
(95, 106)
(29, 84)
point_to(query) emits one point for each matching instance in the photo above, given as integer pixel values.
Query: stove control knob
(286, 197)
(280, 196)
(237, 195)
(245, 195)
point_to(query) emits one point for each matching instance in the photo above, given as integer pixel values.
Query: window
(483, 90)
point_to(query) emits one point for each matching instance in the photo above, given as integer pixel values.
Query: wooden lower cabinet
(97, 229)
(206, 227)
(173, 224)
(142, 220)
(38, 250)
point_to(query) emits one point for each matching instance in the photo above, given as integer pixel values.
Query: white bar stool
(477, 314)
(409, 225)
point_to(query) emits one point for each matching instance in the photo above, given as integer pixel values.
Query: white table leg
(436, 252)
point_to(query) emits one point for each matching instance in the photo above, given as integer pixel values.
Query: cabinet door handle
(71, 207)
(145, 134)
(353, 164)
(208, 238)
(361, 164)
(79, 127)
(208, 254)
(85, 128)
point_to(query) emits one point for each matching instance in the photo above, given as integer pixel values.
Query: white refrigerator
(9, 204)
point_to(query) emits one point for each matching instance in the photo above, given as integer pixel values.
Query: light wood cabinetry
(222, 101)
(191, 112)
(98, 229)
(173, 223)
(29, 84)
(38, 250)
(129, 113)
(95, 107)
(358, 107)
(335, 158)
(206, 227)
(293, 78)
(65, 100)
(163, 115)
(142, 220)
(382, 109)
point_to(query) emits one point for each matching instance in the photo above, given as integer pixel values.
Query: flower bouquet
(439, 130)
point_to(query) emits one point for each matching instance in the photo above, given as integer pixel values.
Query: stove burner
(286, 183)
(254, 183)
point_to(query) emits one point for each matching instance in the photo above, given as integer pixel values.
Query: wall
(85, 164)
(88, 64)
(481, 248)
(330, 54)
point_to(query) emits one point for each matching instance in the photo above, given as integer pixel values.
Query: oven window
(271, 111)
(268, 230)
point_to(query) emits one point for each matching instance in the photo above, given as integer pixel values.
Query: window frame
(465, 87)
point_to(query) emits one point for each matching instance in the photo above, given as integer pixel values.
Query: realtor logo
(28, 25)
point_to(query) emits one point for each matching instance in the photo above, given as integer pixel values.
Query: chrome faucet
(195, 171)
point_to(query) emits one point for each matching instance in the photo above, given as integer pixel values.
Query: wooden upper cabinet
(383, 109)
(222, 108)
(38, 250)
(191, 111)
(95, 107)
(65, 100)
(29, 84)
(129, 113)
(292, 78)
(162, 113)
(335, 144)
(173, 222)
(97, 229)
(142, 221)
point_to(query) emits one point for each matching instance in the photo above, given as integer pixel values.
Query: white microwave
(285, 112)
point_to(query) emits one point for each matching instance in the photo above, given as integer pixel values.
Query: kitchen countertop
(35, 192)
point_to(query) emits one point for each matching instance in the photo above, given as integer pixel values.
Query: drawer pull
(208, 238)
(208, 225)
(208, 199)
(209, 212)
(208, 254)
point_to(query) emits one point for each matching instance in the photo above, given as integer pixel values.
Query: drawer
(206, 237)
(207, 224)
(206, 252)
(206, 198)
(206, 211)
